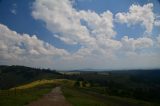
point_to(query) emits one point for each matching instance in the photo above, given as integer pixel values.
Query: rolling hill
(11, 76)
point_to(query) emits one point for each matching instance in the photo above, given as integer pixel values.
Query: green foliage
(137, 84)
(86, 97)
(77, 84)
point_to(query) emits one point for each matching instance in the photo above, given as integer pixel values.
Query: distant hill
(11, 76)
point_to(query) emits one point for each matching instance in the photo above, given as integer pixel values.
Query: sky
(80, 34)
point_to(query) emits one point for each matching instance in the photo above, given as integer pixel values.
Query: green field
(21, 97)
(24, 94)
(84, 97)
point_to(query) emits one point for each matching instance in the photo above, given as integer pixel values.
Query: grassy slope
(34, 84)
(29, 92)
(11, 76)
(77, 96)
(82, 97)
(26, 93)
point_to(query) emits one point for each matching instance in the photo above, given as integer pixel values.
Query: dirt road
(54, 98)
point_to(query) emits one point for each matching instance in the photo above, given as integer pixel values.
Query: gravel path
(54, 98)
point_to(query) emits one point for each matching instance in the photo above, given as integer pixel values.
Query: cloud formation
(137, 14)
(157, 23)
(133, 44)
(23, 49)
(95, 33)
(72, 26)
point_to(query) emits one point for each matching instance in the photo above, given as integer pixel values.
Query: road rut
(54, 98)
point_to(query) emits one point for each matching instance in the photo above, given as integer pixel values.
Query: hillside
(135, 84)
(11, 76)
(62, 92)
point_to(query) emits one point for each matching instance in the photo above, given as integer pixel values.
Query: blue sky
(18, 15)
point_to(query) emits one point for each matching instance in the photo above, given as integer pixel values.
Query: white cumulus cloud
(23, 49)
(95, 33)
(133, 44)
(157, 23)
(137, 14)
(72, 26)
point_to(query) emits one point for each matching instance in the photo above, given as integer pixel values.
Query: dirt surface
(54, 98)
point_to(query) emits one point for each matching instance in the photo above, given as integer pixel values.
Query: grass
(84, 97)
(34, 84)
(22, 95)
(43, 82)
(78, 98)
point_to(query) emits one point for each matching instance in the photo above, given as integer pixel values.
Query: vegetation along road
(54, 98)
